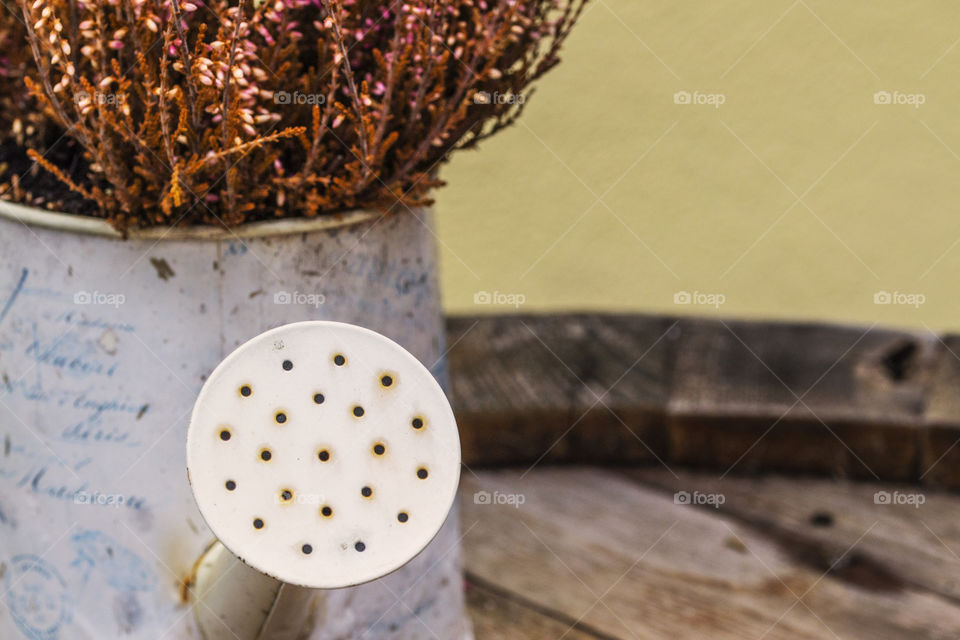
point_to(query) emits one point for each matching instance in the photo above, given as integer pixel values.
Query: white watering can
(105, 344)
(322, 455)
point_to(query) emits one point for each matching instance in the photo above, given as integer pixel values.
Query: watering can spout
(322, 456)
(232, 601)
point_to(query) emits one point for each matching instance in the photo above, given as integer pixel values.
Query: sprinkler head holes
(341, 459)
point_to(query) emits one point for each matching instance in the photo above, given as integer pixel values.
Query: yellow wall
(799, 197)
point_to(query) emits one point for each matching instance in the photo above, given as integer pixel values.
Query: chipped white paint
(104, 346)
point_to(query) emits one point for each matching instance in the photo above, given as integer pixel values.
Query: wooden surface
(862, 402)
(610, 554)
(941, 455)
(560, 388)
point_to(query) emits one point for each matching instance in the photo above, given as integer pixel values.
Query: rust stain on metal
(164, 271)
(186, 585)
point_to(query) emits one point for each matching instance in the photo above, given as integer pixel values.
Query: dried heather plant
(22, 123)
(13, 64)
(193, 112)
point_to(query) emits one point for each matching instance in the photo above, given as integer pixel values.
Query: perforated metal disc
(323, 454)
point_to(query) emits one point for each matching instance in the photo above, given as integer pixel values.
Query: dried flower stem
(182, 122)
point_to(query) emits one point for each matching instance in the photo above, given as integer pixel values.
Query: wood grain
(560, 388)
(506, 616)
(940, 463)
(915, 542)
(862, 402)
(626, 561)
(816, 398)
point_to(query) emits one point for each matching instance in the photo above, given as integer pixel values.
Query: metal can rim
(87, 225)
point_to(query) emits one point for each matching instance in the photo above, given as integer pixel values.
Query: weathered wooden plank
(802, 397)
(561, 388)
(913, 539)
(630, 563)
(940, 445)
(753, 396)
(496, 614)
